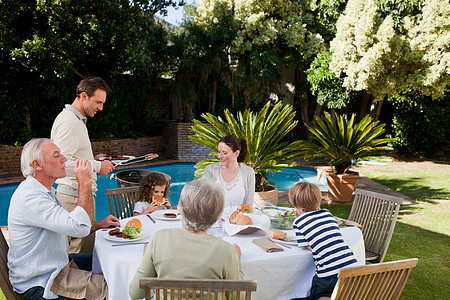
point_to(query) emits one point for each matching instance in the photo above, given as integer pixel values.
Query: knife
(150, 217)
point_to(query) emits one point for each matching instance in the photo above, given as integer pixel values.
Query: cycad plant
(343, 141)
(264, 132)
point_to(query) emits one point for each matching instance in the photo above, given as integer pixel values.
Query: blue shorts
(322, 287)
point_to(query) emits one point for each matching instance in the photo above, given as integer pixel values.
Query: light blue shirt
(39, 230)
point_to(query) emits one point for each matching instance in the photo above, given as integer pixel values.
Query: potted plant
(343, 141)
(264, 132)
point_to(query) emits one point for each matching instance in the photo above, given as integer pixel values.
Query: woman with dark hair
(237, 179)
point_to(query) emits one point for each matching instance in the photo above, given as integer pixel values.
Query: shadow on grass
(413, 188)
(430, 279)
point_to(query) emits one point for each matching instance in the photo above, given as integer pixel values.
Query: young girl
(155, 184)
(317, 230)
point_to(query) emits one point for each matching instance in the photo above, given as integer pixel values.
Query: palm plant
(264, 132)
(343, 140)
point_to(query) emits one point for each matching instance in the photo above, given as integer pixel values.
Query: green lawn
(422, 230)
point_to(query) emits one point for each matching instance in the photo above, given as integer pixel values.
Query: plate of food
(130, 233)
(118, 158)
(243, 221)
(286, 237)
(166, 214)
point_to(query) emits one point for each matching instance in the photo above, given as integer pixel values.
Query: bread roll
(134, 223)
(233, 217)
(243, 220)
(277, 234)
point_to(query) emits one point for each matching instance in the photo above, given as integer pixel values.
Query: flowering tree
(371, 53)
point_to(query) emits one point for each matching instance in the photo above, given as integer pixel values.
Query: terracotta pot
(261, 197)
(341, 186)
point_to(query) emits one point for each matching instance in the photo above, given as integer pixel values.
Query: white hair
(201, 204)
(32, 151)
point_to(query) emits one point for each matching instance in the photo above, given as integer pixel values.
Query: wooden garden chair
(382, 281)
(207, 289)
(121, 201)
(5, 284)
(377, 213)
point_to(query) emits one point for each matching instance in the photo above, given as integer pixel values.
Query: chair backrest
(121, 201)
(5, 284)
(198, 288)
(377, 213)
(373, 282)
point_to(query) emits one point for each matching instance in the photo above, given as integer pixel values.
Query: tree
(50, 45)
(267, 35)
(384, 53)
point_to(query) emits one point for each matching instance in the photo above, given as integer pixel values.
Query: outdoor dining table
(280, 275)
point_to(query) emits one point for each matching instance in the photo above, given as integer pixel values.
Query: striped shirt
(319, 230)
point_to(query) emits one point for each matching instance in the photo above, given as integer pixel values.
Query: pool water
(180, 173)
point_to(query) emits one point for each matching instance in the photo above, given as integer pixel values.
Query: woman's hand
(238, 250)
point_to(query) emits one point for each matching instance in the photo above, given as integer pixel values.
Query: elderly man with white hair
(39, 228)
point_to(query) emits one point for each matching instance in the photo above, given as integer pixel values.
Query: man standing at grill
(70, 134)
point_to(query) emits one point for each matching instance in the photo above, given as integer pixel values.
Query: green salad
(131, 232)
(283, 220)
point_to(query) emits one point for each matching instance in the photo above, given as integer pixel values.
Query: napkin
(346, 223)
(267, 245)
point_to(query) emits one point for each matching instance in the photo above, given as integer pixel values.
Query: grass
(423, 229)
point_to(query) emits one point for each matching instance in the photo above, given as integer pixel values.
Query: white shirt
(70, 134)
(39, 230)
(234, 190)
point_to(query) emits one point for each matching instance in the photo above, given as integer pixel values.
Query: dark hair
(236, 144)
(148, 185)
(90, 85)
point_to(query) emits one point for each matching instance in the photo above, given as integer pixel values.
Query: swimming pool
(180, 173)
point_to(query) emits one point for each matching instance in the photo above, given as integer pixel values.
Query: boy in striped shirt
(317, 230)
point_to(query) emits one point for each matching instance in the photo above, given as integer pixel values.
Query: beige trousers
(77, 245)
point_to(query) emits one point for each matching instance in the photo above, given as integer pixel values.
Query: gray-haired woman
(190, 252)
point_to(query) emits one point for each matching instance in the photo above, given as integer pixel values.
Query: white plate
(121, 239)
(159, 214)
(127, 157)
(259, 222)
(290, 238)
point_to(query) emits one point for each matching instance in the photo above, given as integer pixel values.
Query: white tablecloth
(280, 275)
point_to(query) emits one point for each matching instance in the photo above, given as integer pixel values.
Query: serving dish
(280, 218)
(260, 222)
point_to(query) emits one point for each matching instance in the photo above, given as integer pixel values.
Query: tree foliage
(372, 52)
(47, 47)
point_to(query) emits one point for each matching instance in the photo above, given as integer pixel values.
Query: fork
(150, 217)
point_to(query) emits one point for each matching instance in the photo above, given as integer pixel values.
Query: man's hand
(106, 168)
(83, 171)
(108, 222)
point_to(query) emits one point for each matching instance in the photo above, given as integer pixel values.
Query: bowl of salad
(280, 217)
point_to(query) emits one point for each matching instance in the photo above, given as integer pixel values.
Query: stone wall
(174, 143)
(178, 146)
(10, 155)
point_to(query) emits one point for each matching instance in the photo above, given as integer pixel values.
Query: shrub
(420, 124)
